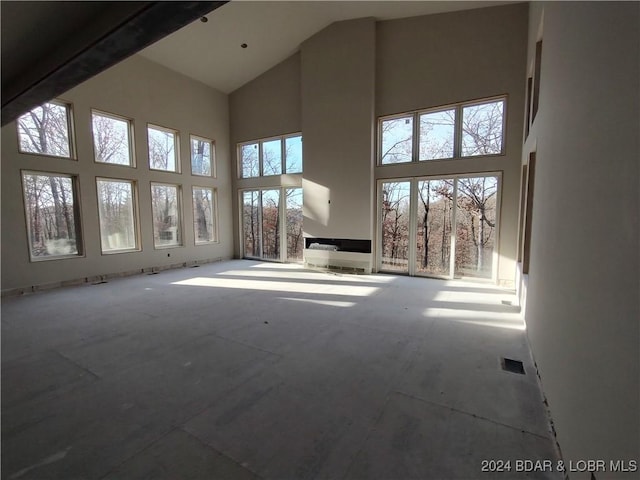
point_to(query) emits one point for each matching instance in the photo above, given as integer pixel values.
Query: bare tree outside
(111, 139)
(162, 149)
(475, 225)
(201, 156)
(395, 225)
(271, 224)
(166, 215)
(397, 140)
(203, 214)
(295, 240)
(293, 154)
(272, 157)
(51, 216)
(251, 222)
(45, 130)
(117, 215)
(249, 161)
(435, 209)
(482, 129)
(437, 132)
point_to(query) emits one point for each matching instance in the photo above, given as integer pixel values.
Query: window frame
(136, 215)
(179, 210)
(457, 139)
(131, 138)
(176, 148)
(214, 216)
(260, 142)
(212, 145)
(77, 213)
(71, 134)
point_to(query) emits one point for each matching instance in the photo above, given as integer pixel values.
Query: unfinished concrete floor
(245, 370)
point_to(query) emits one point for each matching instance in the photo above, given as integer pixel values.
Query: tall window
(165, 204)
(112, 139)
(462, 130)
(45, 130)
(275, 156)
(163, 149)
(53, 218)
(202, 157)
(204, 225)
(117, 214)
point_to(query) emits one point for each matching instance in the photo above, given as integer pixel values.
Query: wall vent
(510, 365)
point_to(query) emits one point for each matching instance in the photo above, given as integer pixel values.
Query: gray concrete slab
(258, 370)
(414, 439)
(179, 455)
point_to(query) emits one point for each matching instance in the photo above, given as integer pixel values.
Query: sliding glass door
(268, 223)
(440, 227)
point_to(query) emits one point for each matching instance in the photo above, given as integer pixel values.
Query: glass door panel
(270, 224)
(295, 242)
(475, 226)
(251, 223)
(395, 226)
(433, 233)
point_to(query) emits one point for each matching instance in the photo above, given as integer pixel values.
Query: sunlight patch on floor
(330, 303)
(511, 321)
(264, 285)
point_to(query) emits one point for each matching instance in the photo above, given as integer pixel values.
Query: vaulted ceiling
(49, 47)
(211, 52)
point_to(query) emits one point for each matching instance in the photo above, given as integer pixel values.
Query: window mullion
(452, 233)
(457, 143)
(416, 140)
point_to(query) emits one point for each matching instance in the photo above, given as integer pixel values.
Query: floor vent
(152, 273)
(514, 366)
(194, 266)
(98, 283)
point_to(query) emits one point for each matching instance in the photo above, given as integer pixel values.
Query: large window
(462, 130)
(163, 149)
(439, 226)
(46, 130)
(202, 157)
(117, 214)
(275, 156)
(165, 204)
(204, 225)
(52, 214)
(112, 139)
